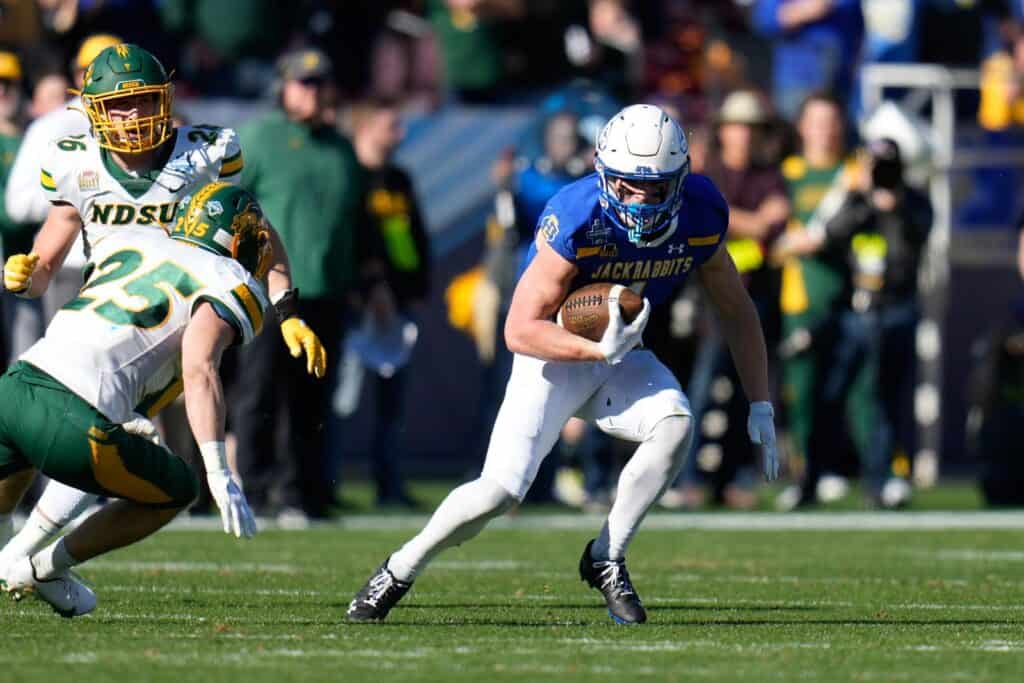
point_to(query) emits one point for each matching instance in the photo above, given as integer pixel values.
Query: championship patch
(549, 227)
(88, 180)
(599, 232)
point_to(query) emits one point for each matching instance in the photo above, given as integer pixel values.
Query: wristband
(215, 456)
(286, 304)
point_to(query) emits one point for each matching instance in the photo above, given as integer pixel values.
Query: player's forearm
(545, 340)
(742, 331)
(279, 278)
(204, 402)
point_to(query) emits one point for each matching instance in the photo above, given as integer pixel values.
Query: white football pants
(625, 400)
(638, 400)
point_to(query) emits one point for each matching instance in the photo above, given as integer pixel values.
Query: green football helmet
(126, 78)
(226, 220)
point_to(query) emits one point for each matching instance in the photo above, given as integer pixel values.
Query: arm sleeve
(25, 199)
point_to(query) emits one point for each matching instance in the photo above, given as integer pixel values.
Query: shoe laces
(380, 585)
(614, 578)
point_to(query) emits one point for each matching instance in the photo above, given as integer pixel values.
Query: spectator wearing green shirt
(311, 187)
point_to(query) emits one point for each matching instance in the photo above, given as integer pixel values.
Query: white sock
(59, 505)
(52, 559)
(458, 518)
(645, 477)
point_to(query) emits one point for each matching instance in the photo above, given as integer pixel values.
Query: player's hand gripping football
(227, 492)
(761, 428)
(300, 338)
(619, 338)
(18, 272)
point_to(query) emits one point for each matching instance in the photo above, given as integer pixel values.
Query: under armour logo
(676, 249)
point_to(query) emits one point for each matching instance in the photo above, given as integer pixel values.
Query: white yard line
(137, 566)
(754, 521)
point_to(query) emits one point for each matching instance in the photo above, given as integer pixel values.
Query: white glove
(761, 428)
(226, 491)
(140, 425)
(619, 338)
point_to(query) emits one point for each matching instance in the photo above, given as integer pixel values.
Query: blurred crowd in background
(416, 142)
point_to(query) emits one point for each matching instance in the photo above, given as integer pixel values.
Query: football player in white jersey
(129, 176)
(153, 314)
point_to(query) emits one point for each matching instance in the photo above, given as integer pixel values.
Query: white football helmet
(642, 143)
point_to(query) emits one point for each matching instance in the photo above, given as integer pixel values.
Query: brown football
(585, 311)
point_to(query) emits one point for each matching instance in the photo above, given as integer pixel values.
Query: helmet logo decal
(122, 50)
(214, 208)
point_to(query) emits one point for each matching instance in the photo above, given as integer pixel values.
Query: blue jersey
(575, 227)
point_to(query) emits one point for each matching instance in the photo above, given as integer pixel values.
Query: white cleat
(66, 593)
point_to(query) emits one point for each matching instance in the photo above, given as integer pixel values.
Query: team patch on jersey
(88, 180)
(599, 232)
(549, 227)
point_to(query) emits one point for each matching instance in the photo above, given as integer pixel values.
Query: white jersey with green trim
(77, 171)
(118, 344)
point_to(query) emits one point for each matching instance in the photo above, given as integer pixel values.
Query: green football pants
(44, 425)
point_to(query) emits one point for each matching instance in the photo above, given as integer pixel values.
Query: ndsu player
(129, 176)
(154, 312)
(641, 221)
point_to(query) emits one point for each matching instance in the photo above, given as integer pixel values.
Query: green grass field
(754, 603)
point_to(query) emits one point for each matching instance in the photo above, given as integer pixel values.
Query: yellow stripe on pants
(110, 473)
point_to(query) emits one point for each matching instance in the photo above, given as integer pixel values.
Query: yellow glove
(299, 337)
(18, 272)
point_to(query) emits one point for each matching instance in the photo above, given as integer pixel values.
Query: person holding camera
(877, 236)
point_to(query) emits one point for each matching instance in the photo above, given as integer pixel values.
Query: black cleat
(612, 579)
(376, 598)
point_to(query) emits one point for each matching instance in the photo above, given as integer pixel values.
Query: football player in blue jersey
(645, 222)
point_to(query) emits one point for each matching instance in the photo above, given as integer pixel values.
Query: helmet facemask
(137, 134)
(641, 221)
